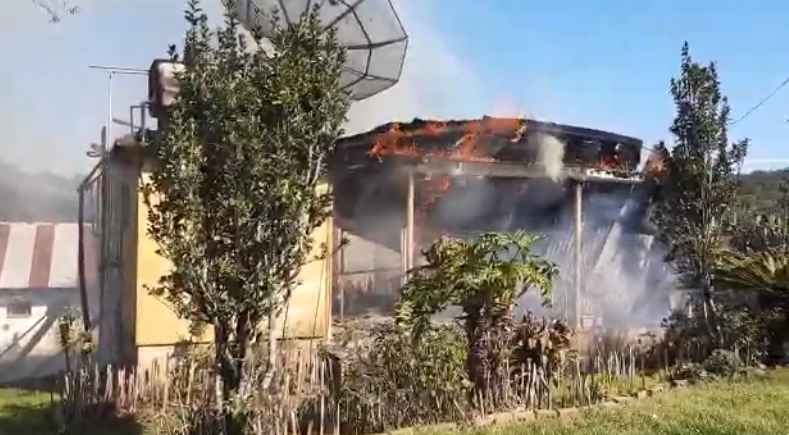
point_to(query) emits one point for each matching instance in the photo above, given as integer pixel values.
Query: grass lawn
(758, 407)
(26, 413)
(745, 408)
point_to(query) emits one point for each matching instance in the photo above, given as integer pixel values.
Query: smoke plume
(550, 154)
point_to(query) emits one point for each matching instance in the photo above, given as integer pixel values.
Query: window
(19, 308)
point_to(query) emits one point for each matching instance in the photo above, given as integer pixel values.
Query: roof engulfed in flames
(397, 141)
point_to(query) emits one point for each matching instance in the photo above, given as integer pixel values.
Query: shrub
(392, 381)
(687, 339)
(722, 363)
(691, 372)
(540, 344)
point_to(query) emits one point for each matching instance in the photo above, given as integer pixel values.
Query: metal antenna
(111, 71)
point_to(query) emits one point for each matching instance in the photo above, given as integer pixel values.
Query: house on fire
(396, 188)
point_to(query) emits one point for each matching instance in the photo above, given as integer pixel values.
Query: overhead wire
(761, 103)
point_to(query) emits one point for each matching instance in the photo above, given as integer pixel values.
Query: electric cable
(761, 103)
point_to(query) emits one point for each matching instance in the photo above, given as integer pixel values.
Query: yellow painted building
(137, 327)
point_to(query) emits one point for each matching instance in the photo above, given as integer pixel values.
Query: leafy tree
(701, 179)
(236, 196)
(484, 276)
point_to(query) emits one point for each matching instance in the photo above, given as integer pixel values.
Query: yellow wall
(307, 316)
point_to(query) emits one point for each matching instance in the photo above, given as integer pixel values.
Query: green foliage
(541, 343)
(235, 199)
(759, 232)
(763, 279)
(761, 227)
(762, 192)
(72, 338)
(763, 272)
(687, 371)
(487, 272)
(723, 362)
(743, 328)
(701, 181)
(484, 276)
(393, 382)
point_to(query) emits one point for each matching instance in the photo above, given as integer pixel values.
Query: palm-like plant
(484, 276)
(763, 275)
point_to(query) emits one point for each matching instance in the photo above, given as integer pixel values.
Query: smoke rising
(625, 281)
(550, 154)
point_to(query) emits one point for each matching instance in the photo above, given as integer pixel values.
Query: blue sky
(598, 63)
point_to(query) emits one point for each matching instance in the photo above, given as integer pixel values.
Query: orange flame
(610, 163)
(469, 148)
(395, 141)
(655, 166)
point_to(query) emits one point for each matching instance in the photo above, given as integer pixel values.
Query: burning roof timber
(498, 147)
(473, 173)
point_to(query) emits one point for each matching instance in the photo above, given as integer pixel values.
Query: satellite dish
(369, 30)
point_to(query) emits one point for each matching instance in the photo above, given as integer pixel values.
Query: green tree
(484, 276)
(701, 180)
(236, 196)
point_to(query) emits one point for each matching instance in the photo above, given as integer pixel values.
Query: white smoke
(550, 154)
(624, 278)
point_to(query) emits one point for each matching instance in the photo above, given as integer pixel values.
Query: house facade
(39, 282)
(138, 327)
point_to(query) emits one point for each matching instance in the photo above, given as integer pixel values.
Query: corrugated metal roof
(44, 255)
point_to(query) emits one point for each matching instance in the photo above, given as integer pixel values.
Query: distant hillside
(760, 189)
(37, 196)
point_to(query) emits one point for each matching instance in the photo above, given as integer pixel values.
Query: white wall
(29, 346)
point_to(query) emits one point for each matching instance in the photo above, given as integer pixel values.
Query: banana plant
(484, 276)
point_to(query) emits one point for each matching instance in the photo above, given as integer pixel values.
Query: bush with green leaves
(484, 275)
(687, 371)
(540, 343)
(742, 329)
(722, 362)
(391, 381)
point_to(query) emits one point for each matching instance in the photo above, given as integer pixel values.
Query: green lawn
(745, 408)
(26, 413)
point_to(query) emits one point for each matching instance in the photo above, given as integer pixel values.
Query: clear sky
(599, 63)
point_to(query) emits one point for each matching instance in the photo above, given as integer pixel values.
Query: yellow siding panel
(157, 323)
(308, 314)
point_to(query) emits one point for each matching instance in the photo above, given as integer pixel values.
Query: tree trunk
(231, 355)
(487, 331)
(711, 317)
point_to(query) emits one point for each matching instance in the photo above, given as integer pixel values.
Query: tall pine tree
(701, 181)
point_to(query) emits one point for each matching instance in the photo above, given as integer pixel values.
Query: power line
(761, 103)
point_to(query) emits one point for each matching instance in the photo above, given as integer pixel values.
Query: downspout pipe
(81, 269)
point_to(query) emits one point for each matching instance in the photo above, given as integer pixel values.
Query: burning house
(400, 186)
